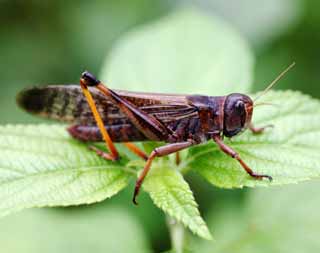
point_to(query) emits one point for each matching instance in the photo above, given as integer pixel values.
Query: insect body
(102, 114)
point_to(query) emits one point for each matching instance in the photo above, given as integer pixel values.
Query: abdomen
(118, 133)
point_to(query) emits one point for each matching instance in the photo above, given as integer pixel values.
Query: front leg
(229, 151)
(258, 130)
(158, 152)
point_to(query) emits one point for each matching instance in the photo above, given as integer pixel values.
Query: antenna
(265, 103)
(274, 81)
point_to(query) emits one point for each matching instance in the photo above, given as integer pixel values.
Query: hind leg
(114, 155)
(145, 123)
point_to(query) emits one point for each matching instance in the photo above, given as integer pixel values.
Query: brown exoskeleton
(99, 113)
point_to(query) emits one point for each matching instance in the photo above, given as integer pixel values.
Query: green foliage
(185, 52)
(172, 194)
(81, 230)
(289, 152)
(265, 23)
(40, 165)
(280, 220)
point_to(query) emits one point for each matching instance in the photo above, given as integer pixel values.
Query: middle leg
(158, 152)
(136, 150)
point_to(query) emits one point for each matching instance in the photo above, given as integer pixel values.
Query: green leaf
(97, 228)
(172, 194)
(279, 220)
(265, 24)
(187, 52)
(289, 152)
(40, 165)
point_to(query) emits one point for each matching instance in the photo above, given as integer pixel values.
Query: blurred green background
(54, 41)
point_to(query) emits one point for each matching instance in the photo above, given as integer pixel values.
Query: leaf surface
(289, 152)
(172, 194)
(186, 52)
(98, 229)
(40, 165)
(276, 220)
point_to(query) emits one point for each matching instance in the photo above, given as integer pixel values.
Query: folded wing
(66, 103)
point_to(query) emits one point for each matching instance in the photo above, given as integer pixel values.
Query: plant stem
(176, 230)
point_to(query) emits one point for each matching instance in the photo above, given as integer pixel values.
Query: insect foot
(104, 155)
(260, 177)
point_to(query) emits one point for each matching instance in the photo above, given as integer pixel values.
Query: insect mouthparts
(89, 79)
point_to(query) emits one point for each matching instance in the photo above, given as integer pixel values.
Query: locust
(97, 113)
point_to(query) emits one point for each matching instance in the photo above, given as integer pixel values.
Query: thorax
(200, 128)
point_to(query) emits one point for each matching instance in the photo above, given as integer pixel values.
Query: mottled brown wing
(67, 103)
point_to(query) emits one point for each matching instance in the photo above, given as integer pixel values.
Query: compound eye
(239, 106)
